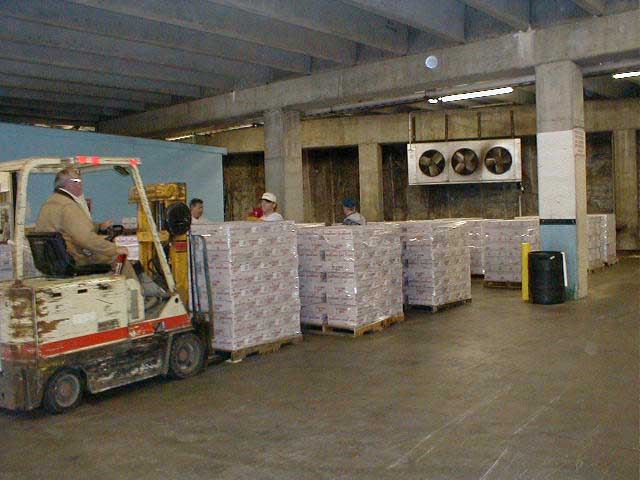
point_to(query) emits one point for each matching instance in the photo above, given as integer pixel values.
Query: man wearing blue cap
(352, 215)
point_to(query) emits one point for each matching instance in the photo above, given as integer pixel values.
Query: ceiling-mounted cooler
(472, 161)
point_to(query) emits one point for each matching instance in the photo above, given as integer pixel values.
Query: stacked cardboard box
(475, 239)
(436, 259)
(601, 230)
(503, 250)
(131, 242)
(253, 276)
(349, 276)
(595, 235)
(609, 240)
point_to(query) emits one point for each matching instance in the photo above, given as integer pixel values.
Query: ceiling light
(433, 100)
(480, 94)
(618, 76)
(431, 62)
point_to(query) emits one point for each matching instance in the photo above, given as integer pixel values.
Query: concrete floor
(498, 389)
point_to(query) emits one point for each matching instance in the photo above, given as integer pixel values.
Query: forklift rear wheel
(187, 356)
(64, 391)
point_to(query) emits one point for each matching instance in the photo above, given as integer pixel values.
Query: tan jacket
(61, 213)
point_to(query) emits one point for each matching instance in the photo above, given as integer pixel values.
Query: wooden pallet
(507, 285)
(439, 308)
(241, 354)
(355, 332)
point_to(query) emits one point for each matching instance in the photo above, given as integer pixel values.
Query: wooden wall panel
(243, 176)
(330, 176)
(600, 185)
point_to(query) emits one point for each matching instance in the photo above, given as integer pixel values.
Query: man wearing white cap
(269, 205)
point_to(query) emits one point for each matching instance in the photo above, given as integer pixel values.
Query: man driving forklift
(66, 212)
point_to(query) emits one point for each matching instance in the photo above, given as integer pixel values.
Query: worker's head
(269, 203)
(197, 207)
(70, 181)
(349, 206)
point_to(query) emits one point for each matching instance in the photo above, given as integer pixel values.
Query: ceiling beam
(112, 65)
(36, 119)
(331, 17)
(51, 108)
(594, 7)
(514, 13)
(83, 89)
(36, 96)
(58, 113)
(505, 57)
(102, 22)
(17, 30)
(208, 17)
(49, 72)
(608, 87)
(444, 18)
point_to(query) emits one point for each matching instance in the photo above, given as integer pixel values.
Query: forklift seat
(50, 256)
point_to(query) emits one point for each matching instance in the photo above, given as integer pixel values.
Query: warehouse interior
(317, 102)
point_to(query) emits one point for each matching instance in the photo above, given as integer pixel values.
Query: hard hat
(269, 197)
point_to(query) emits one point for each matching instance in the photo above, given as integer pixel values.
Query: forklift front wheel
(187, 356)
(64, 391)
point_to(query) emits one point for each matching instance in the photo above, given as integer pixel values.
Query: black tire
(64, 391)
(187, 356)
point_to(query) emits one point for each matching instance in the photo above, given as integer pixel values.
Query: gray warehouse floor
(498, 389)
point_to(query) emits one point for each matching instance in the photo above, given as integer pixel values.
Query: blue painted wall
(200, 167)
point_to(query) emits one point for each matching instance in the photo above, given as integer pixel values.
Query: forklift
(78, 329)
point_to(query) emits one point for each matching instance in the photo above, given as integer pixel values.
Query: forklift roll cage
(24, 168)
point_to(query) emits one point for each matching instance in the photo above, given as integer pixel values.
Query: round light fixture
(431, 62)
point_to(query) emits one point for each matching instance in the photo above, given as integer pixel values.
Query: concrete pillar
(283, 162)
(562, 178)
(625, 159)
(370, 167)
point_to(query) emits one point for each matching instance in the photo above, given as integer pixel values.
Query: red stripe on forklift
(117, 334)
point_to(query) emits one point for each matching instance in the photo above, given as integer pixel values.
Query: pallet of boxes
(503, 241)
(601, 233)
(350, 278)
(253, 279)
(436, 257)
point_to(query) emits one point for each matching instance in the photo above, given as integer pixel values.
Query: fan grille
(431, 163)
(464, 161)
(498, 160)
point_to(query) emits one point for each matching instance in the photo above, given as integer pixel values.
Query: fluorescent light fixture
(480, 94)
(433, 100)
(618, 76)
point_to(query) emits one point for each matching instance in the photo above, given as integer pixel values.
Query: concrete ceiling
(81, 61)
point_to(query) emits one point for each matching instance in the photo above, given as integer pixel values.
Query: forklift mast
(162, 196)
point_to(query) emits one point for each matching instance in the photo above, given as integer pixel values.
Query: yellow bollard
(526, 248)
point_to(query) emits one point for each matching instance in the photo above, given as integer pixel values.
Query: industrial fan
(498, 160)
(431, 163)
(464, 161)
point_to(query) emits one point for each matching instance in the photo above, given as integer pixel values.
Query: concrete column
(562, 178)
(625, 159)
(370, 168)
(283, 162)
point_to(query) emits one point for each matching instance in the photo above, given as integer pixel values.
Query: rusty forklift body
(62, 336)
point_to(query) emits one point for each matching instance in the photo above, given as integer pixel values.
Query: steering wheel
(113, 231)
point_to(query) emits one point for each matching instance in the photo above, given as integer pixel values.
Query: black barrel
(546, 278)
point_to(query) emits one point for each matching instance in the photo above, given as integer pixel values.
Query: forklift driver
(66, 212)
